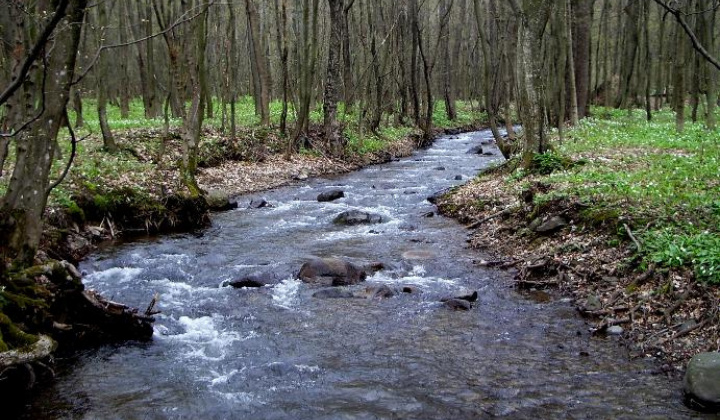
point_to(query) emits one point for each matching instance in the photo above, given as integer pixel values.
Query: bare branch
(35, 52)
(693, 38)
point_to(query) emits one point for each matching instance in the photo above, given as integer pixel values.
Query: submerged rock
(377, 292)
(357, 217)
(255, 280)
(333, 293)
(458, 304)
(702, 382)
(331, 195)
(477, 150)
(258, 203)
(435, 197)
(331, 272)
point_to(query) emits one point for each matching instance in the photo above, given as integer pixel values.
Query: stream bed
(279, 353)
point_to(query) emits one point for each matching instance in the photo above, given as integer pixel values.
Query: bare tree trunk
(102, 78)
(679, 80)
(533, 18)
(348, 83)
(571, 71)
(24, 201)
(282, 40)
(448, 94)
(580, 35)
(333, 136)
(259, 62)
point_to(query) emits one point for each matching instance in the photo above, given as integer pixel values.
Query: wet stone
(258, 203)
(702, 382)
(357, 217)
(331, 195)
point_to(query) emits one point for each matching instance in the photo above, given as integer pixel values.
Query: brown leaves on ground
(665, 314)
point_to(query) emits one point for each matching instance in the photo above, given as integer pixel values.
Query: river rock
(258, 203)
(379, 292)
(302, 175)
(255, 280)
(702, 382)
(458, 177)
(458, 304)
(357, 217)
(551, 225)
(477, 150)
(220, 201)
(331, 195)
(440, 168)
(473, 297)
(333, 293)
(435, 197)
(331, 272)
(615, 330)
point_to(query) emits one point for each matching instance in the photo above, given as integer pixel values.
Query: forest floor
(624, 218)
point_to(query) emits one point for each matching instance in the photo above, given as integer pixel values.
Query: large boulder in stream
(702, 382)
(330, 195)
(331, 272)
(357, 217)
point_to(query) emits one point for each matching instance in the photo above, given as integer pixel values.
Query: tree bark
(333, 81)
(24, 201)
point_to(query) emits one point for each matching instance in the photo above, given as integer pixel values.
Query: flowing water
(279, 353)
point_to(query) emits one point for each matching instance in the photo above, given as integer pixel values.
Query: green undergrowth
(146, 161)
(664, 185)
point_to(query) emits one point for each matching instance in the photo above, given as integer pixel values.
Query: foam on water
(416, 277)
(177, 294)
(285, 294)
(203, 338)
(114, 276)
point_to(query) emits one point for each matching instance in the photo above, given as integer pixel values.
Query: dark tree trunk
(24, 201)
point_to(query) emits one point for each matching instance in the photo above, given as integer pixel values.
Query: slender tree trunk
(259, 62)
(103, 80)
(333, 81)
(679, 80)
(574, 91)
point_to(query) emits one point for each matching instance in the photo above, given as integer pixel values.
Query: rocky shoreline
(561, 248)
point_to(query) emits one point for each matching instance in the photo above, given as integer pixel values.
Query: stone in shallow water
(357, 217)
(331, 195)
(702, 382)
(331, 272)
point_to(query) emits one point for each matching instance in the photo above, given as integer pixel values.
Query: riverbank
(622, 218)
(137, 191)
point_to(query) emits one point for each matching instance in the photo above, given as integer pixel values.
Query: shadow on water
(279, 353)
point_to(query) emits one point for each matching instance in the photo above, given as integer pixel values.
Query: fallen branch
(683, 332)
(634, 239)
(503, 212)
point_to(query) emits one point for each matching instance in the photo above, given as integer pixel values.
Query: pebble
(615, 330)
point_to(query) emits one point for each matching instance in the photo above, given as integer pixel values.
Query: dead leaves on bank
(665, 314)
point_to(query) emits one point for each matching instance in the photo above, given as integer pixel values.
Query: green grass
(664, 184)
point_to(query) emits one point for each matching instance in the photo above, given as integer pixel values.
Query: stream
(279, 353)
